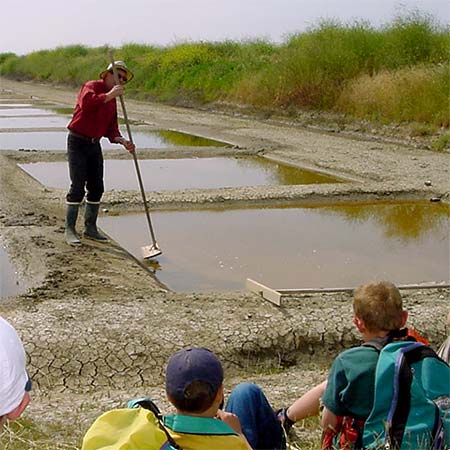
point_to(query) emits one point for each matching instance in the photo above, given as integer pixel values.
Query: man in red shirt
(95, 116)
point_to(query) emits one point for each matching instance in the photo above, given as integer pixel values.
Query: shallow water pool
(56, 140)
(17, 112)
(49, 121)
(185, 173)
(293, 247)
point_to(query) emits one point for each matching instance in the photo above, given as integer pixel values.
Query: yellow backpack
(135, 428)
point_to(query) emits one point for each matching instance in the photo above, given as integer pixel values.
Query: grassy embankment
(392, 75)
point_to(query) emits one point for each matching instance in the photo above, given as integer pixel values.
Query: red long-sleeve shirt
(93, 117)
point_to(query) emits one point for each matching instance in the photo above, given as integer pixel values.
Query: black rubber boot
(90, 223)
(71, 220)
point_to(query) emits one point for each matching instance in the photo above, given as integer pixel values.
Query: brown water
(185, 173)
(56, 140)
(330, 246)
(9, 284)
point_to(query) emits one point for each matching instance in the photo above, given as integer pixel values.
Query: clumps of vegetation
(442, 143)
(25, 434)
(397, 73)
(409, 94)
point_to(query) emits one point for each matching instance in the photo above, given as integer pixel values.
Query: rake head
(151, 251)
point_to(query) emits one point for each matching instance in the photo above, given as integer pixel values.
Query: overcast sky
(28, 25)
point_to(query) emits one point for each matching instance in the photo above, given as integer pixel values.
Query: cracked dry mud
(98, 328)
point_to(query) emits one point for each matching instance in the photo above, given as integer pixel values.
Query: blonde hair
(379, 306)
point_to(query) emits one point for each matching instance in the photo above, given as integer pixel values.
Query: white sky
(28, 25)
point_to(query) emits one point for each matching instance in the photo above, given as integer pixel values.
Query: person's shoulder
(203, 433)
(356, 352)
(359, 355)
(95, 84)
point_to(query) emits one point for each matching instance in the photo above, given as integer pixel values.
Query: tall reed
(409, 94)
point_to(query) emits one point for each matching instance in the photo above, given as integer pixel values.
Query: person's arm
(329, 420)
(114, 134)
(232, 420)
(115, 91)
(92, 97)
(127, 144)
(308, 404)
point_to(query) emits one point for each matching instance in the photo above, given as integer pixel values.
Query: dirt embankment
(94, 322)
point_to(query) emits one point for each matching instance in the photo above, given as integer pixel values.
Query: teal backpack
(411, 409)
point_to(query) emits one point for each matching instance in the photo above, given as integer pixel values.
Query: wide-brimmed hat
(119, 65)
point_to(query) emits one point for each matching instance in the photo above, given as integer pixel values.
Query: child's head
(379, 306)
(193, 379)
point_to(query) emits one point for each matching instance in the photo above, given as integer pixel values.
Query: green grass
(442, 143)
(395, 73)
(24, 434)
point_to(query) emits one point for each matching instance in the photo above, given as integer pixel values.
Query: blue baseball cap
(189, 365)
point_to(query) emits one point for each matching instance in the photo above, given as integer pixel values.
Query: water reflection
(405, 221)
(62, 110)
(171, 137)
(294, 247)
(7, 112)
(185, 173)
(5, 104)
(56, 140)
(9, 284)
(33, 122)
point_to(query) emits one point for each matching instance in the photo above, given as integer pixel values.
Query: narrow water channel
(18, 112)
(49, 121)
(9, 284)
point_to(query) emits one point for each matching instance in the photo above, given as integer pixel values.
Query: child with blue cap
(194, 385)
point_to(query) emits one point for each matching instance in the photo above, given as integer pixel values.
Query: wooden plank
(314, 290)
(266, 292)
(428, 285)
(275, 295)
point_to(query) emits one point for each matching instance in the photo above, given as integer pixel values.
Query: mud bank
(98, 327)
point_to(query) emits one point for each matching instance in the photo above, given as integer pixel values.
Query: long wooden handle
(130, 138)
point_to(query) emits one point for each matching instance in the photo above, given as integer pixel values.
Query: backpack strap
(401, 403)
(148, 403)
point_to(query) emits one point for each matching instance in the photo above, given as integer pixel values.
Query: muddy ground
(98, 327)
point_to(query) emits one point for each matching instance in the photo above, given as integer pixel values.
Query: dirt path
(98, 328)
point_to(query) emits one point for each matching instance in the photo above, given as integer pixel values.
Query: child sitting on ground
(379, 317)
(194, 385)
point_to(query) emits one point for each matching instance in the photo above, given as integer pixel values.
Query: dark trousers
(85, 169)
(258, 420)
